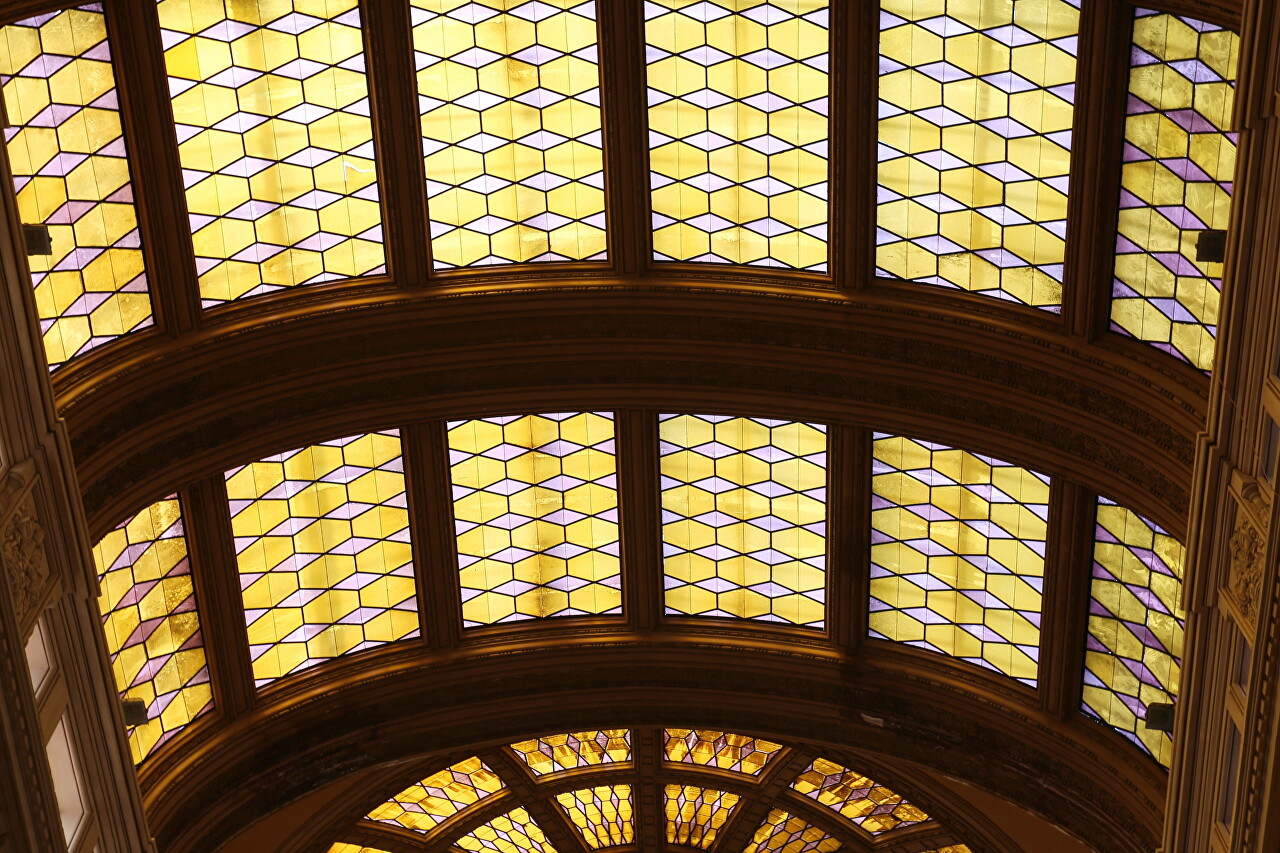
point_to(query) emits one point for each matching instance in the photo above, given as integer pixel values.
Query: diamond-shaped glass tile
(874, 808)
(728, 751)
(440, 796)
(744, 511)
(535, 504)
(149, 617)
(739, 91)
(976, 104)
(604, 815)
(1179, 164)
(782, 832)
(1136, 620)
(71, 173)
(513, 832)
(510, 100)
(272, 113)
(553, 753)
(695, 815)
(957, 554)
(322, 542)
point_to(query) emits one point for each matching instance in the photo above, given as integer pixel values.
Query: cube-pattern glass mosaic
(744, 513)
(510, 99)
(694, 816)
(782, 832)
(553, 753)
(535, 505)
(272, 116)
(873, 807)
(725, 750)
(604, 815)
(429, 803)
(322, 542)
(342, 847)
(957, 554)
(1136, 619)
(513, 832)
(71, 173)
(738, 107)
(149, 617)
(976, 104)
(1179, 163)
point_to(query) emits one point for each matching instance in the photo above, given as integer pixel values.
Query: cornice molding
(388, 701)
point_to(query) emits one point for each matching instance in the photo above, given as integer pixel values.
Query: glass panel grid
(873, 807)
(738, 107)
(152, 628)
(783, 833)
(553, 753)
(1179, 163)
(696, 815)
(535, 504)
(744, 512)
(976, 103)
(509, 94)
(957, 554)
(322, 542)
(427, 804)
(725, 750)
(343, 847)
(514, 832)
(603, 814)
(1136, 620)
(272, 114)
(71, 173)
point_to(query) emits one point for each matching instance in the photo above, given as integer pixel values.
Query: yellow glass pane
(783, 833)
(872, 807)
(535, 505)
(976, 103)
(1179, 165)
(744, 518)
(604, 815)
(553, 753)
(1136, 620)
(514, 832)
(738, 106)
(151, 624)
(272, 113)
(322, 543)
(71, 173)
(725, 750)
(694, 816)
(510, 102)
(424, 806)
(957, 554)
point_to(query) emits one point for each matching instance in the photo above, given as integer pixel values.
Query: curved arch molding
(402, 703)
(161, 411)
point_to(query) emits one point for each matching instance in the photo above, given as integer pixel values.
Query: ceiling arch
(361, 713)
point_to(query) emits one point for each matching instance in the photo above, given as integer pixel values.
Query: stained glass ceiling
(583, 798)
(280, 153)
(326, 555)
(283, 180)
